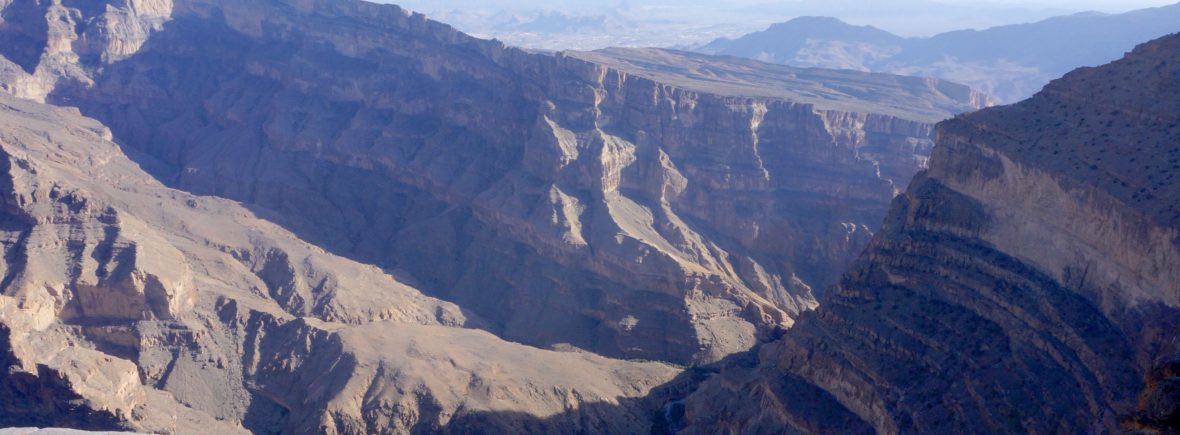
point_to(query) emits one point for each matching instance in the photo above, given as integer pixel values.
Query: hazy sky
(1113, 5)
(691, 22)
(1074, 5)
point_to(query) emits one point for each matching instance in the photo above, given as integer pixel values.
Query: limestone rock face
(583, 199)
(313, 216)
(1027, 282)
(46, 42)
(129, 305)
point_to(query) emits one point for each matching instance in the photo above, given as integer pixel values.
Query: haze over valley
(588, 25)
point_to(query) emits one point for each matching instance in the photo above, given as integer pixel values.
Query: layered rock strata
(566, 201)
(129, 305)
(1027, 282)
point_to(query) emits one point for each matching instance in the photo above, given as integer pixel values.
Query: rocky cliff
(564, 200)
(130, 305)
(313, 216)
(1027, 282)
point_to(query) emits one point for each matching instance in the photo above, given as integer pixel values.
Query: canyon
(1025, 283)
(332, 216)
(314, 216)
(564, 201)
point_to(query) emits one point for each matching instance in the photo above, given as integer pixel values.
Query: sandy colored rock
(580, 199)
(151, 309)
(339, 217)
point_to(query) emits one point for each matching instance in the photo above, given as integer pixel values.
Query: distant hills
(1009, 62)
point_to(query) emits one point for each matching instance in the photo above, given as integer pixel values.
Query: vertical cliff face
(129, 305)
(565, 199)
(401, 191)
(1026, 282)
(47, 42)
(409, 200)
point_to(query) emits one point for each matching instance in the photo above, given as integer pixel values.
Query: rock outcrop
(1027, 282)
(314, 216)
(361, 209)
(129, 305)
(567, 199)
(46, 42)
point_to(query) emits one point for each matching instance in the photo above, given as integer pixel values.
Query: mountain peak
(821, 26)
(1009, 62)
(811, 20)
(812, 41)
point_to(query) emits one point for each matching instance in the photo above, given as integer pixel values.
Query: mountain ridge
(559, 174)
(1022, 283)
(339, 217)
(1009, 62)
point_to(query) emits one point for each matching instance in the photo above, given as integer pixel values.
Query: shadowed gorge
(333, 216)
(566, 202)
(339, 217)
(1024, 283)
(132, 305)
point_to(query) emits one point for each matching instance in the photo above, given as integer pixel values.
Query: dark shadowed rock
(1027, 282)
(313, 216)
(628, 211)
(129, 305)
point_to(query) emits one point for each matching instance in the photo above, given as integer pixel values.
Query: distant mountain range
(691, 23)
(1009, 62)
